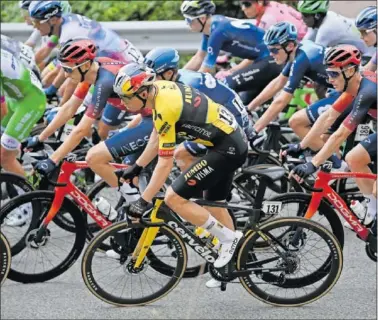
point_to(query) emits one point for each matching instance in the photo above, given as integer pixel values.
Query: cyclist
(360, 91)
(77, 58)
(268, 13)
(328, 28)
(241, 38)
(22, 105)
(48, 18)
(181, 111)
(164, 61)
(21, 51)
(302, 60)
(366, 23)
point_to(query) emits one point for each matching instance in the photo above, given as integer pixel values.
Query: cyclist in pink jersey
(268, 13)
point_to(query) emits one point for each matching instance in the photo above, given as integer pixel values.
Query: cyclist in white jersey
(328, 28)
(366, 23)
(48, 18)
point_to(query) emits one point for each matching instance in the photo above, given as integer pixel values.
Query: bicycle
(133, 241)
(322, 190)
(6, 258)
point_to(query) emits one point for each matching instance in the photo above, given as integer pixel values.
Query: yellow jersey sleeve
(167, 111)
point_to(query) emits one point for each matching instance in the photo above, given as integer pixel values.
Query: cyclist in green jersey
(23, 103)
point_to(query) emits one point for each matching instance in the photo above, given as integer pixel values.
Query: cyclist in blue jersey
(366, 23)
(241, 38)
(164, 61)
(302, 60)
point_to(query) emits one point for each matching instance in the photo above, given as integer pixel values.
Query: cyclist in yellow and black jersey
(183, 113)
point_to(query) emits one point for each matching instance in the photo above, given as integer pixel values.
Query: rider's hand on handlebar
(302, 171)
(138, 207)
(33, 143)
(129, 173)
(45, 167)
(291, 149)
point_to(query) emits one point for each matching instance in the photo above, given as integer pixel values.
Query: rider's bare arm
(321, 125)
(196, 61)
(160, 175)
(133, 123)
(4, 108)
(245, 63)
(68, 90)
(274, 109)
(78, 133)
(332, 145)
(371, 66)
(269, 92)
(42, 54)
(65, 113)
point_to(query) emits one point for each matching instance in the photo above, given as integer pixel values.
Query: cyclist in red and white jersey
(268, 13)
(360, 91)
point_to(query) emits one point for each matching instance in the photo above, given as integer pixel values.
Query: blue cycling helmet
(44, 10)
(367, 19)
(162, 59)
(280, 33)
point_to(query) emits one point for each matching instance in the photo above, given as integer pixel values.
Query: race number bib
(363, 131)
(27, 56)
(226, 121)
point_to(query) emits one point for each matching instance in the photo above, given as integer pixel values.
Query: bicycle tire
(334, 221)
(95, 288)
(190, 272)
(6, 258)
(328, 284)
(68, 207)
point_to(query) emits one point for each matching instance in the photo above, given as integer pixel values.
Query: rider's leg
(358, 159)
(22, 117)
(122, 144)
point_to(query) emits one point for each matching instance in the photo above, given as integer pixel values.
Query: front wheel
(44, 259)
(305, 246)
(126, 285)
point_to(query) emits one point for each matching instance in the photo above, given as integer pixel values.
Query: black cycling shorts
(370, 145)
(214, 172)
(254, 78)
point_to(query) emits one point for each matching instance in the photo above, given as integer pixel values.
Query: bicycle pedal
(223, 286)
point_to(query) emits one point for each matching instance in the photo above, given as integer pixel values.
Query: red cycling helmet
(78, 50)
(342, 56)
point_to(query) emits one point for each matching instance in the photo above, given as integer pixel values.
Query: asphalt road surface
(66, 297)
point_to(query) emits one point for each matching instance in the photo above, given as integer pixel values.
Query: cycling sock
(335, 161)
(218, 230)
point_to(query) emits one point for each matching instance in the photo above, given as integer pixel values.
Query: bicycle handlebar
(307, 187)
(254, 148)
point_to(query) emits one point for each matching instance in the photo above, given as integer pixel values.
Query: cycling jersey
(19, 50)
(279, 12)
(217, 92)
(240, 37)
(103, 93)
(183, 113)
(336, 29)
(308, 62)
(365, 101)
(108, 42)
(25, 99)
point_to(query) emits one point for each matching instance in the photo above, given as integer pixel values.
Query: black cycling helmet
(193, 9)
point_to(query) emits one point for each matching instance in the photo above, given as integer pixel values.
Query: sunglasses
(70, 70)
(274, 50)
(38, 22)
(365, 32)
(335, 74)
(246, 4)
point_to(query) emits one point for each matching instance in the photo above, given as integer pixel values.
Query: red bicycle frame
(80, 198)
(322, 182)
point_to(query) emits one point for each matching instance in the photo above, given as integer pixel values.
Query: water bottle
(358, 208)
(105, 208)
(210, 239)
